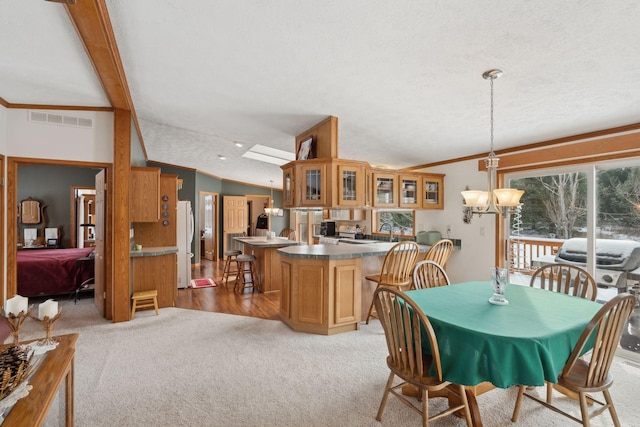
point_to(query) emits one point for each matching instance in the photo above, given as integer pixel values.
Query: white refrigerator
(184, 229)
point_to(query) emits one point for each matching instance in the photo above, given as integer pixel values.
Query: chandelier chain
(491, 152)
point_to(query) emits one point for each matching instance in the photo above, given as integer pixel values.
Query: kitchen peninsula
(267, 259)
(324, 289)
(155, 268)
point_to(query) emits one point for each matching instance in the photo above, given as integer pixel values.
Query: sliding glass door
(599, 203)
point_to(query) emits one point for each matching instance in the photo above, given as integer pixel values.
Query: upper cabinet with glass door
(433, 191)
(288, 187)
(385, 190)
(350, 180)
(312, 184)
(410, 191)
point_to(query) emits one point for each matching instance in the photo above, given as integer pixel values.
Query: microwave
(328, 228)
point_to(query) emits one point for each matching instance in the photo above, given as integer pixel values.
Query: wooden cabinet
(328, 183)
(433, 192)
(312, 184)
(385, 189)
(347, 214)
(162, 232)
(350, 180)
(319, 179)
(288, 187)
(324, 137)
(156, 272)
(144, 194)
(321, 296)
(410, 191)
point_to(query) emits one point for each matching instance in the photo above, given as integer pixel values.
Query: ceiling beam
(91, 21)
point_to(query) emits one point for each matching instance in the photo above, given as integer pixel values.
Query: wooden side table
(31, 410)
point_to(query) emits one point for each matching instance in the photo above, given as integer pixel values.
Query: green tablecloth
(525, 342)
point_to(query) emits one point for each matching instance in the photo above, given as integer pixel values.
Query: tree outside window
(401, 221)
(555, 205)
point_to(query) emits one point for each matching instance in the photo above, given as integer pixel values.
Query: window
(555, 205)
(402, 222)
(618, 204)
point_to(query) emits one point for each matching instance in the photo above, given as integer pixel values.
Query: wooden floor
(220, 300)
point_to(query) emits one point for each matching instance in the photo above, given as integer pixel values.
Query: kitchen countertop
(153, 251)
(341, 251)
(262, 242)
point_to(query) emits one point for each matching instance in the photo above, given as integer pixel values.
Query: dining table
(483, 346)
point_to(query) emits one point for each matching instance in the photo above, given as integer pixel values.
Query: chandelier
(271, 210)
(494, 200)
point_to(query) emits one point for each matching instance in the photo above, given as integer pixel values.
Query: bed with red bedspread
(53, 271)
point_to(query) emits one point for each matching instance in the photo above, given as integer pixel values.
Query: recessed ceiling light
(221, 157)
(238, 144)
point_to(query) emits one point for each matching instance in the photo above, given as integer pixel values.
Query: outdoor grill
(617, 261)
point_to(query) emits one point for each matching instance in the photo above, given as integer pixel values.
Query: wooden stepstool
(144, 299)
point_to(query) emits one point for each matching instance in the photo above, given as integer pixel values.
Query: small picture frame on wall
(306, 149)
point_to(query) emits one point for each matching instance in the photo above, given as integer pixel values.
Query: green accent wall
(51, 185)
(194, 182)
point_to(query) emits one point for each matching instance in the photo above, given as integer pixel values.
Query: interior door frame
(74, 213)
(216, 236)
(259, 209)
(11, 231)
(3, 242)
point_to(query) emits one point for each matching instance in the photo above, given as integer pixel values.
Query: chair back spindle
(429, 274)
(565, 278)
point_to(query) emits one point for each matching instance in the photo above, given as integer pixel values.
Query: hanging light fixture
(494, 200)
(271, 210)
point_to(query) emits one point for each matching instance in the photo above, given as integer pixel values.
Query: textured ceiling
(403, 77)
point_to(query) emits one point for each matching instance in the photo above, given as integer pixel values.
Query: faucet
(390, 224)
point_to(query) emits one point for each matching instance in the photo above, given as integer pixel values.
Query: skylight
(269, 155)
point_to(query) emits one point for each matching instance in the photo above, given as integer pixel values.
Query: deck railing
(526, 249)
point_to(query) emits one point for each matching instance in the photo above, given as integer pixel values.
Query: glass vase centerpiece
(499, 284)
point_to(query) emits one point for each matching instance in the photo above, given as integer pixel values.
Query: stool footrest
(144, 299)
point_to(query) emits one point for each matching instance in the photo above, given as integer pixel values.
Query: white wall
(25, 138)
(21, 138)
(472, 262)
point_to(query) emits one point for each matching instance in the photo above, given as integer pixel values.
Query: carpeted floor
(192, 368)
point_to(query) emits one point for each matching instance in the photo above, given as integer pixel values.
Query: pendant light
(271, 210)
(494, 200)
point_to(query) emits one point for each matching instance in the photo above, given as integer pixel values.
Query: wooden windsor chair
(439, 252)
(396, 268)
(588, 376)
(429, 274)
(408, 332)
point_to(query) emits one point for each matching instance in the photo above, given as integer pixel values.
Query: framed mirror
(30, 211)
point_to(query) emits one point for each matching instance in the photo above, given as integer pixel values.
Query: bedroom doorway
(49, 180)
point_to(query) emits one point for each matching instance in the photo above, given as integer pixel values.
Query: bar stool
(241, 278)
(226, 271)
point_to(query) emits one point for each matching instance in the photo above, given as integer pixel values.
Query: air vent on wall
(59, 119)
